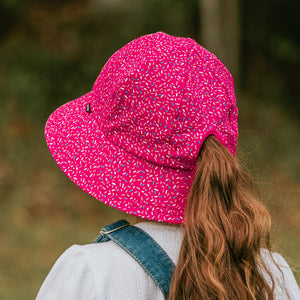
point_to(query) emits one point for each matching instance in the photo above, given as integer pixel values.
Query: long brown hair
(225, 230)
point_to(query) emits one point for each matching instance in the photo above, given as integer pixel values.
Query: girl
(156, 138)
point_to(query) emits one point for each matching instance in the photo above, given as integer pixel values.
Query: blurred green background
(52, 51)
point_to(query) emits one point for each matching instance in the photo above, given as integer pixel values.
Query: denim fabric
(144, 249)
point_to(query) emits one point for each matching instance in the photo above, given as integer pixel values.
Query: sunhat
(132, 142)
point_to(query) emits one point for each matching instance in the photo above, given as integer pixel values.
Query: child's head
(133, 141)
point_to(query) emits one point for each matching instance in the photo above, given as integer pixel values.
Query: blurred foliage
(271, 52)
(52, 51)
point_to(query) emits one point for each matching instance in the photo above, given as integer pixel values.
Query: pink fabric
(152, 106)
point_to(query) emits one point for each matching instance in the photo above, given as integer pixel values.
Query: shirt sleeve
(69, 278)
(289, 283)
(286, 286)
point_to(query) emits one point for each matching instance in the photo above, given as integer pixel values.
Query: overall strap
(144, 249)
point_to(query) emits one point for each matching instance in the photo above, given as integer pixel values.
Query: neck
(140, 220)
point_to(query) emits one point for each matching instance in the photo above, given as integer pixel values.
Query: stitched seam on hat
(116, 145)
(231, 100)
(148, 161)
(182, 90)
(217, 78)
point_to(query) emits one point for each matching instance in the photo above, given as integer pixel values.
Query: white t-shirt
(106, 271)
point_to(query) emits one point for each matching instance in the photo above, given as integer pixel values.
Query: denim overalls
(144, 249)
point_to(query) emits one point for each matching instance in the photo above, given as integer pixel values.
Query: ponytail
(225, 229)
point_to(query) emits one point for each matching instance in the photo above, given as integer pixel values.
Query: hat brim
(109, 173)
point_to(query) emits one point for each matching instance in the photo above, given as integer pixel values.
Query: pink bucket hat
(133, 141)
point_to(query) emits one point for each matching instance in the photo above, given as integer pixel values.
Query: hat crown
(160, 96)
